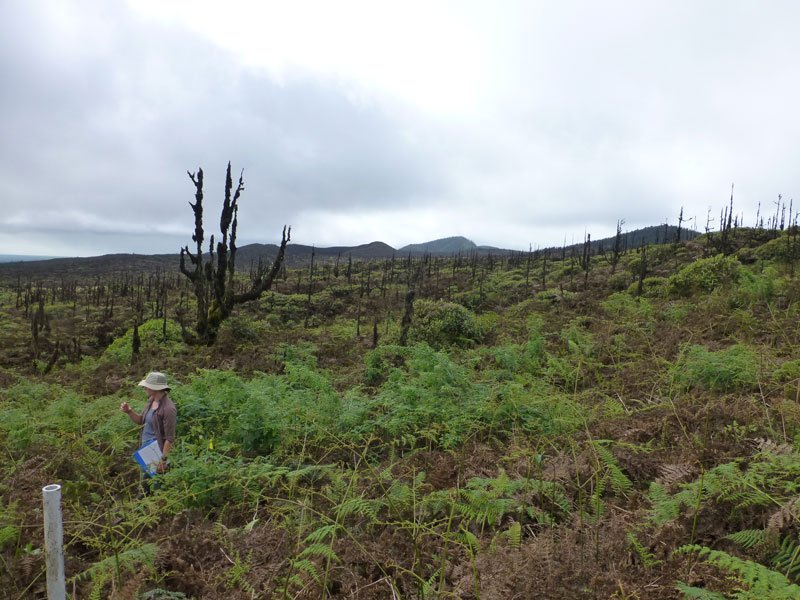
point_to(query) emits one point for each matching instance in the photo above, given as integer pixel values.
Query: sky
(516, 124)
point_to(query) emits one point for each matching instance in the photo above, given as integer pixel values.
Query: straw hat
(155, 381)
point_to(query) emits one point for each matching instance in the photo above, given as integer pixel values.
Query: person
(158, 417)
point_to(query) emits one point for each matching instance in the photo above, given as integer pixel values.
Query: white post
(54, 542)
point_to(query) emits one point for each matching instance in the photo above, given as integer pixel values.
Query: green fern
(361, 507)
(304, 565)
(787, 559)
(514, 535)
(322, 532)
(98, 583)
(317, 550)
(8, 536)
(127, 561)
(767, 481)
(665, 507)
(758, 581)
(648, 558)
(696, 593)
(748, 538)
(620, 483)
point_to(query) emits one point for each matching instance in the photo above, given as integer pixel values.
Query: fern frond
(319, 550)
(648, 558)
(514, 535)
(787, 559)
(691, 592)
(759, 581)
(304, 565)
(98, 583)
(470, 540)
(357, 506)
(620, 483)
(130, 561)
(429, 585)
(747, 538)
(322, 532)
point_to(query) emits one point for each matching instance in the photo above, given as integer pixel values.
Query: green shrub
(704, 275)
(382, 360)
(652, 287)
(753, 288)
(788, 371)
(151, 335)
(239, 329)
(441, 324)
(735, 368)
(783, 249)
(625, 306)
(619, 281)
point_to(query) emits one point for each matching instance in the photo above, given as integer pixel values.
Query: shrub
(704, 275)
(652, 287)
(735, 368)
(755, 288)
(783, 249)
(788, 371)
(382, 360)
(440, 324)
(623, 305)
(151, 334)
(619, 281)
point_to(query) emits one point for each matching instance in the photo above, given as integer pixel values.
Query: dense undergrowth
(548, 430)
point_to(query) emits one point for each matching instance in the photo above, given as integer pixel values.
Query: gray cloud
(584, 113)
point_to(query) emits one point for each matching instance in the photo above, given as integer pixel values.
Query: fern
(648, 558)
(98, 582)
(322, 532)
(698, 593)
(304, 565)
(8, 536)
(665, 507)
(319, 550)
(358, 506)
(514, 535)
(620, 483)
(787, 559)
(128, 561)
(768, 481)
(758, 582)
(748, 538)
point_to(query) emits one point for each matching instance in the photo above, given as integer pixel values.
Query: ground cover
(532, 428)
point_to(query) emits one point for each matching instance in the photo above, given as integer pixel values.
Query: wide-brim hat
(155, 381)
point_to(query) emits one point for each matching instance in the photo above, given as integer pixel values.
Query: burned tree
(213, 275)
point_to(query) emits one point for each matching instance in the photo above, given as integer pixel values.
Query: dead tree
(213, 276)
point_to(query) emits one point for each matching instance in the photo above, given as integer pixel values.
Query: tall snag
(213, 275)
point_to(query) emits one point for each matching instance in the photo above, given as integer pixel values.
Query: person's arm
(165, 450)
(169, 418)
(132, 415)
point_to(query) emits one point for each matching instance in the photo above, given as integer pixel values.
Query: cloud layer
(512, 127)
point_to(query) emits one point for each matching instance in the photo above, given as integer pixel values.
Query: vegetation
(620, 423)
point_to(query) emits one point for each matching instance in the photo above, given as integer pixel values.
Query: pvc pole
(54, 542)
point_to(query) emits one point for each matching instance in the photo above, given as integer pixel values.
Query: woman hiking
(158, 417)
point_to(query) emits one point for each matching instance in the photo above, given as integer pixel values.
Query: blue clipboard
(148, 457)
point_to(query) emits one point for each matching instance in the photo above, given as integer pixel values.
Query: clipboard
(148, 457)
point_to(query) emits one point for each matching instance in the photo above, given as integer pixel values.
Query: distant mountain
(7, 258)
(448, 245)
(300, 254)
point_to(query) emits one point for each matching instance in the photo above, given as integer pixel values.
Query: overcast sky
(510, 123)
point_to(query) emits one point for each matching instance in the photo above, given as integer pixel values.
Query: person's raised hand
(125, 407)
